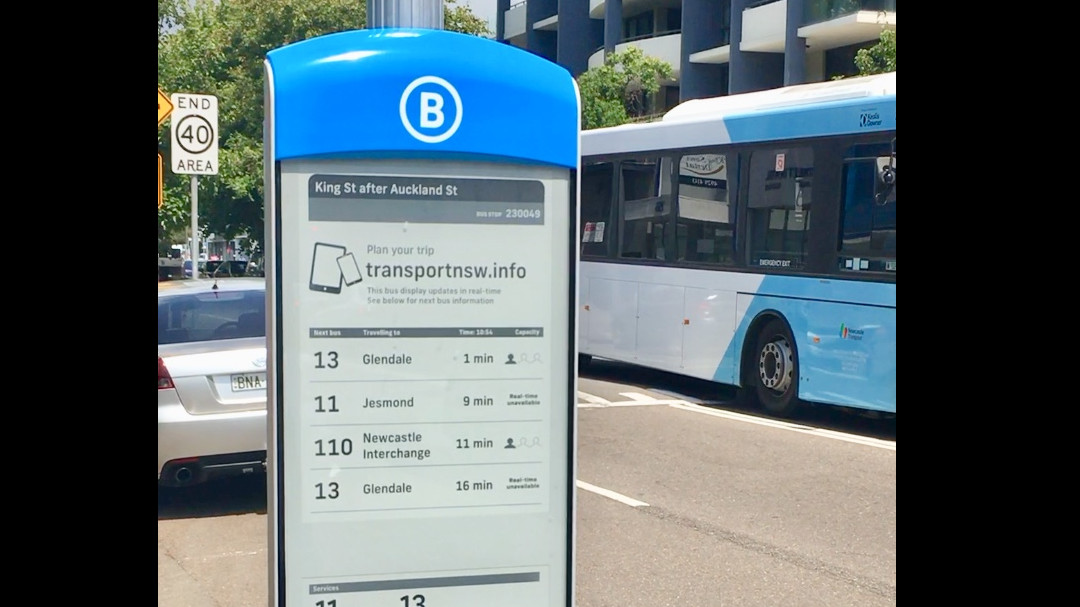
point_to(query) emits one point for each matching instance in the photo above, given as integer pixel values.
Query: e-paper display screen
(425, 414)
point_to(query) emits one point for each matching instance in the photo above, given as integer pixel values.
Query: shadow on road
(216, 498)
(709, 394)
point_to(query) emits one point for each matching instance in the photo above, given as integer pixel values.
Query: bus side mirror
(886, 178)
(886, 169)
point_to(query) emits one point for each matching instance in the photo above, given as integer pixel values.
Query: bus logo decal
(868, 119)
(847, 332)
(430, 108)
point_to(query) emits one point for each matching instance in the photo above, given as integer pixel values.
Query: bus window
(596, 195)
(868, 222)
(644, 213)
(706, 224)
(778, 204)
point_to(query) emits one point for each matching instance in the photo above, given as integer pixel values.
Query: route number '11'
(331, 406)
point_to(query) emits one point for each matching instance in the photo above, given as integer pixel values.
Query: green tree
(217, 47)
(167, 13)
(617, 91)
(461, 19)
(880, 58)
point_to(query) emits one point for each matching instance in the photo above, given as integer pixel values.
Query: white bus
(749, 240)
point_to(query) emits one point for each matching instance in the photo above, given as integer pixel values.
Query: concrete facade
(719, 47)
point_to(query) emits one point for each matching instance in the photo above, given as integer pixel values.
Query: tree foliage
(217, 47)
(880, 58)
(461, 19)
(615, 92)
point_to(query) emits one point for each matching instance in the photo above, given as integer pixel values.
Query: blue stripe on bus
(846, 351)
(838, 117)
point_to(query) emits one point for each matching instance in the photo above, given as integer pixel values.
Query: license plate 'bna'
(248, 381)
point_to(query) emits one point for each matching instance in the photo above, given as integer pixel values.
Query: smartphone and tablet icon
(332, 265)
(350, 270)
(325, 273)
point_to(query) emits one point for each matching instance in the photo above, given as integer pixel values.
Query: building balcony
(817, 11)
(829, 24)
(514, 25)
(763, 27)
(630, 7)
(549, 24)
(516, 19)
(666, 46)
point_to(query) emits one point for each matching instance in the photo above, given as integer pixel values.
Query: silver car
(211, 379)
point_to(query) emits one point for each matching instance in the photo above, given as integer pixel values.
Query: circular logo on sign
(425, 100)
(194, 134)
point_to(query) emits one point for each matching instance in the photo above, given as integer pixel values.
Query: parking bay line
(641, 399)
(843, 436)
(594, 401)
(629, 501)
(638, 400)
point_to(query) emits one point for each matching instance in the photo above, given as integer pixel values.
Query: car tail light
(164, 380)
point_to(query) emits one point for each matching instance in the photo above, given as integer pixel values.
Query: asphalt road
(730, 509)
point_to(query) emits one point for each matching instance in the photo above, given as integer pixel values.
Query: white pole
(427, 14)
(194, 226)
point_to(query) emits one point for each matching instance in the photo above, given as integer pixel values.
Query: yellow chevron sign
(164, 107)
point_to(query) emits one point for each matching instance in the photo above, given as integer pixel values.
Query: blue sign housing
(421, 236)
(393, 92)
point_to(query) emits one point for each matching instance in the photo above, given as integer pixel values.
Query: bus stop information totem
(421, 216)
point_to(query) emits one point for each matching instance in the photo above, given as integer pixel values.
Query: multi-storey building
(715, 47)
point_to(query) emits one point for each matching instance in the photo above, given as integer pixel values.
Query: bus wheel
(776, 377)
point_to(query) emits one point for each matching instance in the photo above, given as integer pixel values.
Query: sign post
(194, 151)
(421, 222)
(160, 180)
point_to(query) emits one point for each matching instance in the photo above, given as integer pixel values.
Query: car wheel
(583, 361)
(775, 376)
(227, 329)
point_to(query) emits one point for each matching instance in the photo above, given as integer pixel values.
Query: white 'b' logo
(431, 116)
(432, 106)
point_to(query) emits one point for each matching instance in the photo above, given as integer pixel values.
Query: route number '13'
(416, 600)
(326, 492)
(326, 361)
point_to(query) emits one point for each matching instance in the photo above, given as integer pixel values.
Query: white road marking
(224, 555)
(629, 501)
(636, 400)
(639, 400)
(642, 403)
(596, 400)
(851, 438)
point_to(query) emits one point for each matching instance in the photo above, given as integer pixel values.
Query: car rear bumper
(179, 473)
(197, 448)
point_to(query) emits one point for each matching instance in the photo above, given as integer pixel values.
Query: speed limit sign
(194, 134)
